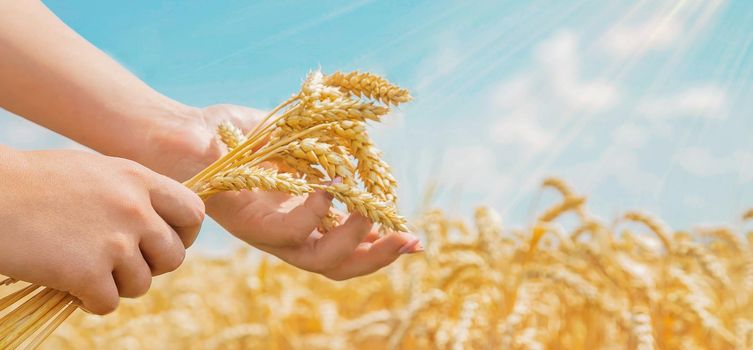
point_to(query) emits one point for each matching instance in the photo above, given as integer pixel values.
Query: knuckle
(133, 209)
(131, 169)
(88, 275)
(120, 246)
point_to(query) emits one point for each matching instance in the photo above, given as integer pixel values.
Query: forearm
(54, 77)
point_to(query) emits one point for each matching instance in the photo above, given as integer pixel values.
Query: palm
(285, 226)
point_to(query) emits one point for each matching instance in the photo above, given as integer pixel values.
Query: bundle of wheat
(318, 139)
(567, 281)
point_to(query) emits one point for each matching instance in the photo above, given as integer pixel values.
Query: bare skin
(55, 78)
(98, 227)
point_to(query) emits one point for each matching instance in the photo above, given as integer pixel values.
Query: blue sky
(639, 104)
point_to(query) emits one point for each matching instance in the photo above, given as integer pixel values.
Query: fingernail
(417, 249)
(409, 247)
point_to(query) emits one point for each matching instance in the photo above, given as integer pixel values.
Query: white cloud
(702, 163)
(474, 167)
(559, 59)
(707, 101)
(635, 39)
(20, 133)
(531, 105)
(522, 131)
(630, 136)
(622, 166)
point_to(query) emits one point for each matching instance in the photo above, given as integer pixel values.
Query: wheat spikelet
(314, 89)
(726, 234)
(230, 135)
(329, 222)
(523, 307)
(367, 205)
(315, 152)
(568, 279)
(642, 330)
(708, 321)
(657, 227)
(301, 168)
(469, 309)
(320, 112)
(748, 215)
(251, 177)
(708, 262)
(368, 85)
(235, 333)
(566, 205)
(558, 184)
(372, 170)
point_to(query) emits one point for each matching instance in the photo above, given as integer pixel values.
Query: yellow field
(632, 284)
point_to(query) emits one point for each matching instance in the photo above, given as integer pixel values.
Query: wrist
(179, 142)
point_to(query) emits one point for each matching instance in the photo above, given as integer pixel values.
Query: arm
(93, 100)
(53, 77)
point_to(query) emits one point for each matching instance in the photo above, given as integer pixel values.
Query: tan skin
(93, 225)
(55, 78)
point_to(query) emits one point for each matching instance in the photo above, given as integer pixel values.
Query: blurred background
(638, 104)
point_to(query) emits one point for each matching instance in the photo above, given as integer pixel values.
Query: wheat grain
(368, 85)
(315, 152)
(230, 135)
(252, 177)
(366, 204)
(656, 226)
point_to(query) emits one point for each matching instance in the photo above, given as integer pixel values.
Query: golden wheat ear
(370, 86)
(230, 135)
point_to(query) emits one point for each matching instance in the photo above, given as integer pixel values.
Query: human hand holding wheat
(99, 227)
(285, 225)
(315, 145)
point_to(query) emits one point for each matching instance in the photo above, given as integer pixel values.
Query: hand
(277, 223)
(95, 226)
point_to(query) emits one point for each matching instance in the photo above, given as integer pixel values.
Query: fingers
(162, 249)
(370, 257)
(182, 209)
(100, 295)
(132, 276)
(372, 236)
(334, 247)
(295, 226)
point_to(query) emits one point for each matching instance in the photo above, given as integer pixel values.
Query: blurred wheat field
(569, 281)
